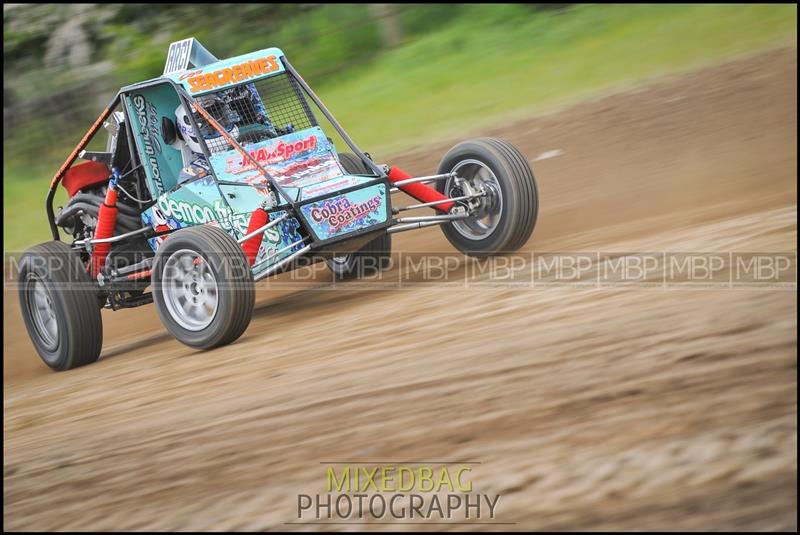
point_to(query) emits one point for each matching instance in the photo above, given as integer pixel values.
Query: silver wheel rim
(40, 303)
(190, 290)
(341, 259)
(490, 208)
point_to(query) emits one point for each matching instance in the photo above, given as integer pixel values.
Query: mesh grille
(254, 112)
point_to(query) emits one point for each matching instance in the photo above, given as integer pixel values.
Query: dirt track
(588, 408)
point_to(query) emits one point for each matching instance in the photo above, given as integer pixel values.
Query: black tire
(519, 197)
(375, 255)
(59, 299)
(353, 164)
(214, 252)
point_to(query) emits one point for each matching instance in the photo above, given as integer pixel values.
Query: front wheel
(503, 217)
(203, 287)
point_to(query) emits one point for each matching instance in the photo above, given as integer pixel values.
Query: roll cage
(132, 148)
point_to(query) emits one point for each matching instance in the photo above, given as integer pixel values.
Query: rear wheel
(375, 255)
(203, 287)
(505, 215)
(59, 305)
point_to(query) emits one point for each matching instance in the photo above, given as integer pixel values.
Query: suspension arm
(418, 190)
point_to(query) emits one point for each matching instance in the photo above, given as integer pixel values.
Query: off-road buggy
(263, 188)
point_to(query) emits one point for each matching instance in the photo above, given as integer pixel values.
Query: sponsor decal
(189, 74)
(171, 214)
(348, 212)
(192, 213)
(232, 75)
(147, 116)
(327, 187)
(309, 170)
(160, 223)
(183, 213)
(277, 238)
(265, 155)
(339, 211)
(294, 160)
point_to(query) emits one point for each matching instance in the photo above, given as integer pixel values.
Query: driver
(227, 108)
(195, 164)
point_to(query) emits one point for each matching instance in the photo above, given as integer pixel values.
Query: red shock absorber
(418, 190)
(258, 219)
(106, 222)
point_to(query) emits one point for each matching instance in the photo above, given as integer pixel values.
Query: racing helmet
(219, 109)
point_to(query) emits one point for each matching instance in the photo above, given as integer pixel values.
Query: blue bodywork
(302, 165)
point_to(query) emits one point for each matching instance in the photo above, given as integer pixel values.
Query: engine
(79, 216)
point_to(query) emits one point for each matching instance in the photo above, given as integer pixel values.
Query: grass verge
(492, 64)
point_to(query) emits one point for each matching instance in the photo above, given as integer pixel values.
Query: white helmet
(184, 125)
(221, 112)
